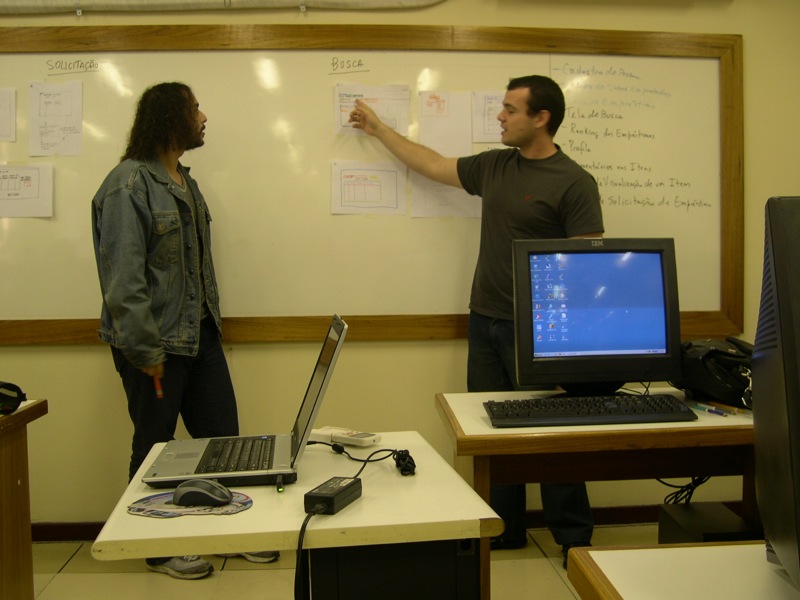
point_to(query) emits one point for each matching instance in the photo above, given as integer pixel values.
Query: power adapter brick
(332, 496)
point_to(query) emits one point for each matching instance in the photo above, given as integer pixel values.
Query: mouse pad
(160, 506)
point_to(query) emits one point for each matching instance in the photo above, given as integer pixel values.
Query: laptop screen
(317, 386)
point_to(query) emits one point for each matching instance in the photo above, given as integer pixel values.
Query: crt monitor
(592, 314)
(776, 386)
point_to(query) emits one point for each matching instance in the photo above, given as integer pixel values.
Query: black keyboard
(587, 410)
(236, 454)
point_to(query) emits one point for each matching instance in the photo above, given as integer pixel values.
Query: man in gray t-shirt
(529, 190)
(523, 198)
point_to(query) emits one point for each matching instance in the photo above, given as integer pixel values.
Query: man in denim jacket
(160, 315)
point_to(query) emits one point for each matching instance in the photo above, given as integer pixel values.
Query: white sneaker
(266, 556)
(181, 567)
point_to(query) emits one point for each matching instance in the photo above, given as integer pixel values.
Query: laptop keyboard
(587, 410)
(237, 454)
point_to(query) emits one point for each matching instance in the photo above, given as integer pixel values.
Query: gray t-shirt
(523, 198)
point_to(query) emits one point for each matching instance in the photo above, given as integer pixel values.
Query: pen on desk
(708, 409)
(157, 383)
(731, 410)
(722, 409)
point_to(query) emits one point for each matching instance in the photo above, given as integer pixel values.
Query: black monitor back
(776, 385)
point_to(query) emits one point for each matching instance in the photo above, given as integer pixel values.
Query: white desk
(435, 504)
(737, 571)
(468, 410)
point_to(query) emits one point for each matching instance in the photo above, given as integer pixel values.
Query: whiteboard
(647, 128)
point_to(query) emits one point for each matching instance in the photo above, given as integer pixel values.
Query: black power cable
(683, 493)
(402, 458)
(404, 463)
(301, 566)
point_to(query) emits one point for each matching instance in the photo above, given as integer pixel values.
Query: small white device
(348, 437)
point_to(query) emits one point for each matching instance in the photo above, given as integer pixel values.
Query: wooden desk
(736, 571)
(16, 553)
(712, 445)
(435, 504)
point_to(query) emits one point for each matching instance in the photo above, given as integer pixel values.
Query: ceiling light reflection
(114, 78)
(267, 73)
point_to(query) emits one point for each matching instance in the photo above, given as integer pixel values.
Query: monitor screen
(776, 386)
(592, 314)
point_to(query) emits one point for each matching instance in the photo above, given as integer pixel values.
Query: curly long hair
(165, 118)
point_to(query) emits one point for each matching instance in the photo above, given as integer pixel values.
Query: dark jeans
(198, 388)
(491, 367)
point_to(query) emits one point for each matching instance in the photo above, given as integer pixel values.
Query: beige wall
(390, 386)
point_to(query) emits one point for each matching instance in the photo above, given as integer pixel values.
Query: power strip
(347, 437)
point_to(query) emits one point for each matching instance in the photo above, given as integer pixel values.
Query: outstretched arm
(415, 156)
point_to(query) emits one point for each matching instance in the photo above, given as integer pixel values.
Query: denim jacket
(148, 261)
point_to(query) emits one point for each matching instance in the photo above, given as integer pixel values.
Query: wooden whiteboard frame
(727, 49)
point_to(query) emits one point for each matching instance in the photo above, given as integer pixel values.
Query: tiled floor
(67, 571)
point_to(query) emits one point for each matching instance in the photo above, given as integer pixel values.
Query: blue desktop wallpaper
(597, 303)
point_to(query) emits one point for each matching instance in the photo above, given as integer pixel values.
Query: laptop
(251, 460)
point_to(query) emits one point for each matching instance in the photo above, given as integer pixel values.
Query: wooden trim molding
(242, 330)
(371, 328)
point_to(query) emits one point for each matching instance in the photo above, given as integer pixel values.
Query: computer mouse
(201, 492)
